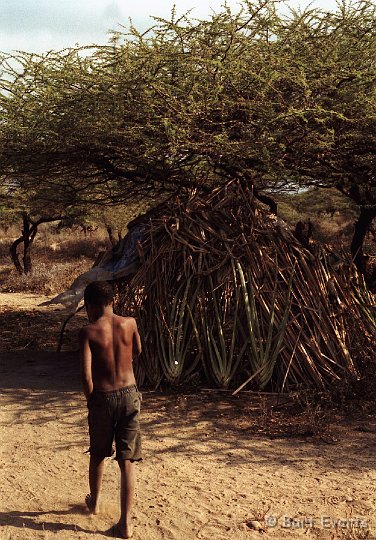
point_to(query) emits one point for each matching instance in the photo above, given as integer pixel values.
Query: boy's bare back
(108, 346)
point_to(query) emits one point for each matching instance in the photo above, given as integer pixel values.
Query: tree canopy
(277, 100)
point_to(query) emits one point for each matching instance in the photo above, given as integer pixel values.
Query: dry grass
(45, 278)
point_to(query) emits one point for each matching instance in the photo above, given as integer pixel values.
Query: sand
(211, 465)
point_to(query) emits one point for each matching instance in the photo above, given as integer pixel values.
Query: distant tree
(18, 205)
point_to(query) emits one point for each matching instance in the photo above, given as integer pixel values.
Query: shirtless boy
(107, 347)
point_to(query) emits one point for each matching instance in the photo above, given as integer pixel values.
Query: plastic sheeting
(113, 265)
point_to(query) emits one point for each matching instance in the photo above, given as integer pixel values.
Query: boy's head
(99, 294)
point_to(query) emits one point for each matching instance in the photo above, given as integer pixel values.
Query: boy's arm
(136, 348)
(85, 358)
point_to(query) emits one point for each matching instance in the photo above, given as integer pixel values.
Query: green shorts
(115, 415)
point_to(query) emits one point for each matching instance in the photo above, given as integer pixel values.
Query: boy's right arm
(85, 357)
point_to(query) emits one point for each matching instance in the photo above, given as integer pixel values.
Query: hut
(225, 294)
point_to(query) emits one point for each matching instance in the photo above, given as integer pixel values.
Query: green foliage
(315, 203)
(332, 116)
(175, 330)
(221, 328)
(277, 101)
(272, 98)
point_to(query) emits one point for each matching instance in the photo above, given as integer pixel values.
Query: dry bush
(46, 278)
(10, 231)
(4, 251)
(67, 244)
(335, 231)
(69, 249)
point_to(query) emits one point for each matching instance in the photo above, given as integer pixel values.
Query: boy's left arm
(85, 358)
(136, 346)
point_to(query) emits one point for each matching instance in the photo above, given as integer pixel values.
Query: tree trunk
(29, 232)
(111, 235)
(362, 225)
(26, 232)
(14, 255)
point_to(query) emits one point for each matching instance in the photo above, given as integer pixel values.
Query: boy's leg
(101, 431)
(95, 482)
(127, 489)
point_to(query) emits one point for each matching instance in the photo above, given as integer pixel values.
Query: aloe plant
(175, 334)
(367, 304)
(220, 334)
(265, 347)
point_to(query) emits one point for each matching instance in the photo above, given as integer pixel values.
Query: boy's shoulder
(125, 320)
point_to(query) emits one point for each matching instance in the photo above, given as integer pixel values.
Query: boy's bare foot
(91, 504)
(123, 531)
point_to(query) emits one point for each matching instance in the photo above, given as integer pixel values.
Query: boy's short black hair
(99, 293)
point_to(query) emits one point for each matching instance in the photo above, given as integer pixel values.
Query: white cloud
(48, 24)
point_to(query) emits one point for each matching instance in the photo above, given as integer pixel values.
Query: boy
(108, 345)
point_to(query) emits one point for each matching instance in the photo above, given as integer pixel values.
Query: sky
(42, 25)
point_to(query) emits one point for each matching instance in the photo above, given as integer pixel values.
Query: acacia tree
(149, 113)
(272, 100)
(103, 128)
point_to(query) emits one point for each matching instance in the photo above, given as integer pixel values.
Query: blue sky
(41, 25)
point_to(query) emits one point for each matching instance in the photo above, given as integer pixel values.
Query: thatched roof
(225, 289)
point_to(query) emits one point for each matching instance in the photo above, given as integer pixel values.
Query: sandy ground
(210, 466)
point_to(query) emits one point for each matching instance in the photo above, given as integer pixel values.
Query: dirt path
(208, 469)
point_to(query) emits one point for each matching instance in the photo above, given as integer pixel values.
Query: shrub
(47, 279)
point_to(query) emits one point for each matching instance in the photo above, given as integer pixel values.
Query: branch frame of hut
(226, 294)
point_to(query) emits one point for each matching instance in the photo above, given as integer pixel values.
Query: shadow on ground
(34, 521)
(41, 387)
(38, 329)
